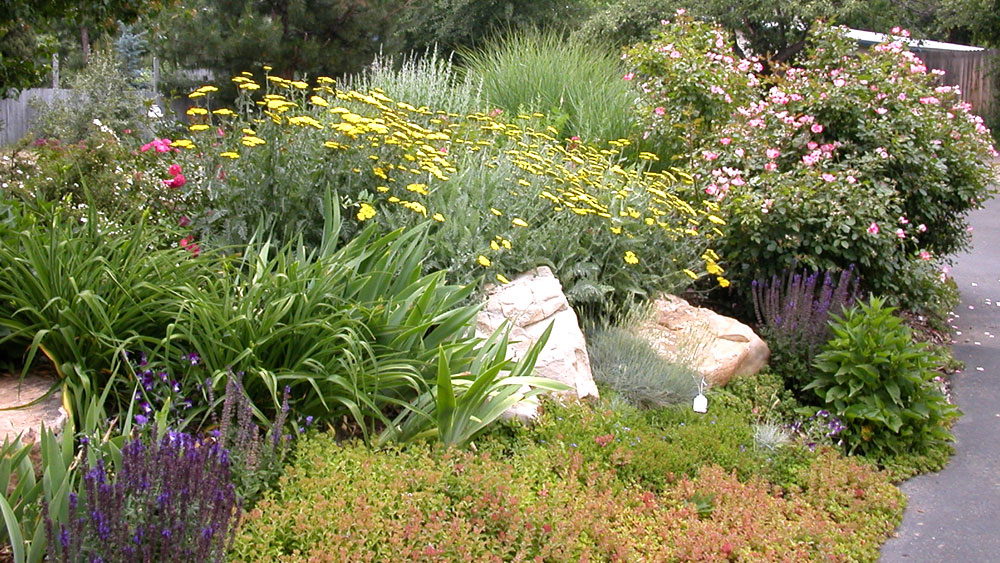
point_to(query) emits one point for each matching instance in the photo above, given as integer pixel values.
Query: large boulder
(27, 421)
(531, 302)
(719, 347)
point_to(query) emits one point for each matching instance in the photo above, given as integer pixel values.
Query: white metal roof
(872, 38)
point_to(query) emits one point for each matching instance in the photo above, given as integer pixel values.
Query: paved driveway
(954, 515)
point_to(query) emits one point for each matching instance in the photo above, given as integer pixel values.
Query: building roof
(872, 38)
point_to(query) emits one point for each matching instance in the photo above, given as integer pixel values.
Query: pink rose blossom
(829, 177)
(851, 179)
(739, 152)
(881, 111)
(725, 140)
(174, 169)
(773, 153)
(904, 221)
(709, 155)
(659, 111)
(628, 76)
(924, 255)
(771, 166)
(921, 228)
(873, 229)
(177, 181)
(900, 233)
(839, 82)
(675, 54)
(816, 128)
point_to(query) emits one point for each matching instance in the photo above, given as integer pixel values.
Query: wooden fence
(972, 71)
(17, 115)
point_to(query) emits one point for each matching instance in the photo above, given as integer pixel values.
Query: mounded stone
(531, 302)
(27, 421)
(720, 347)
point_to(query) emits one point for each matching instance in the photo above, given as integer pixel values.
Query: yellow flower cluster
(410, 150)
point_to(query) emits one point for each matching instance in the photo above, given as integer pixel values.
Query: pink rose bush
(808, 161)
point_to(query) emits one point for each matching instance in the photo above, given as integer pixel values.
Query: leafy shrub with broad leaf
(878, 382)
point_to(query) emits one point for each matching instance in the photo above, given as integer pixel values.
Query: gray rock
(719, 347)
(531, 302)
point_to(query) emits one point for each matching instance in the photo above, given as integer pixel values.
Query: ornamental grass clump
(171, 499)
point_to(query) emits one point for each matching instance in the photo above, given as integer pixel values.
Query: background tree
(28, 27)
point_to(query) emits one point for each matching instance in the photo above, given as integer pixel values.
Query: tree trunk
(85, 43)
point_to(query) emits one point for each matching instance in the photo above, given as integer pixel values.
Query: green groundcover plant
(559, 494)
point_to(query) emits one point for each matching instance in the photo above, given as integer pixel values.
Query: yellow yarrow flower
(690, 274)
(366, 212)
(182, 144)
(224, 111)
(317, 100)
(198, 127)
(484, 261)
(418, 188)
(502, 278)
(230, 154)
(631, 258)
(249, 86)
(195, 110)
(439, 218)
(723, 282)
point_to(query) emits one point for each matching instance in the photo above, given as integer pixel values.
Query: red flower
(178, 181)
(184, 221)
(175, 169)
(185, 242)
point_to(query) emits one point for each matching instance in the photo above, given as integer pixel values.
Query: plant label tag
(701, 403)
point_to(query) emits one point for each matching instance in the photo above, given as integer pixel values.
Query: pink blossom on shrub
(873, 229)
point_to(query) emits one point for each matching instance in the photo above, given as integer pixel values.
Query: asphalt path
(954, 515)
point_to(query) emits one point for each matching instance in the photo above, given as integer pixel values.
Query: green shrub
(625, 22)
(879, 383)
(101, 92)
(628, 364)
(757, 396)
(576, 83)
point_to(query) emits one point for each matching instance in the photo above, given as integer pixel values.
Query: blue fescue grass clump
(172, 499)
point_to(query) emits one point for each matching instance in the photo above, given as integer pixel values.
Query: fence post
(55, 71)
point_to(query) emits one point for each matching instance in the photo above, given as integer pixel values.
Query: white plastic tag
(700, 403)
